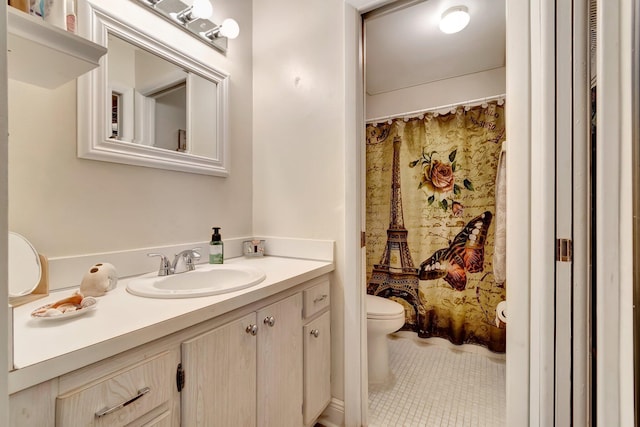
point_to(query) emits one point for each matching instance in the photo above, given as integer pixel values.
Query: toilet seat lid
(380, 308)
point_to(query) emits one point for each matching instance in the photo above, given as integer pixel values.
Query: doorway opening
(434, 138)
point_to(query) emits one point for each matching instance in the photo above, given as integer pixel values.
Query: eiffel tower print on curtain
(395, 276)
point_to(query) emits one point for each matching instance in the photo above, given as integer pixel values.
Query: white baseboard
(333, 416)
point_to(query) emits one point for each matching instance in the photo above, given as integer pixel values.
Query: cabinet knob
(269, 320)
(252, 329)
(315, 332)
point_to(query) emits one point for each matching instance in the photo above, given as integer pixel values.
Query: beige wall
(67, 206)
(298, 133)
(287, 170)
(443, 92)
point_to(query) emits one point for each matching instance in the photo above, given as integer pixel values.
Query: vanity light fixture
(200, 9)
(194, 19)
(229, 29)
(454, 19)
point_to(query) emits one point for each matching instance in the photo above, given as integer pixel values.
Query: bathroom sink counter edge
(122, 321)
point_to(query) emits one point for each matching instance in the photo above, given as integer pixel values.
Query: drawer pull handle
(107, 411)
(320, 298)
(270, 320)
(252, 329)
(315, 333)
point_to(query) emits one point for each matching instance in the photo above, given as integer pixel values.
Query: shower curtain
(431, 205)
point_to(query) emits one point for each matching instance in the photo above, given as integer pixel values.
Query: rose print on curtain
(430, 205)
(439, 179)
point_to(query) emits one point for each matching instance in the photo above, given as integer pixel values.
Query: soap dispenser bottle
(216, 247)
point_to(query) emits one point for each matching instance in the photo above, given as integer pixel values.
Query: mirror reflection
(149, 101)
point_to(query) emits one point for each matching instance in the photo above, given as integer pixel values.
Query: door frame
(581, 318)
(6, 362)
(529, 207)
(614, 395)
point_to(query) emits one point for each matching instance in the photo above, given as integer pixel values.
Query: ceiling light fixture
(454, 19)
(194, 19)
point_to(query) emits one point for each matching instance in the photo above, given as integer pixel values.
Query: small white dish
(67, 315)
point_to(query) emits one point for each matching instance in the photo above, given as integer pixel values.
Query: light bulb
(454, 19)
(229, 28)
(201, 9)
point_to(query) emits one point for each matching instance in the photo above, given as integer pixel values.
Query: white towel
(500, 240)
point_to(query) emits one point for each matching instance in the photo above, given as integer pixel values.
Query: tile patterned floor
(438, 385)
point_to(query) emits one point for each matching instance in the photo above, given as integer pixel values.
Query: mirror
(149, 104)
(24, 266)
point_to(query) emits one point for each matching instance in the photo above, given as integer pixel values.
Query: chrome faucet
(183, 261)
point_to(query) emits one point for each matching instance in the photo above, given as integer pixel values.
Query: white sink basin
(209, 279)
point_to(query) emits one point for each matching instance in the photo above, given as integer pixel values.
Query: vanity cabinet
(220, 382)
(247, 372)
(137, 388)
(317, 351)
(135, 396)
(280, 363)
(263, 364)
(317, 367)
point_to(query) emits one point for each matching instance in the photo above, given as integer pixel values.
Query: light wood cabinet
(280, 363)
(317, 350)
(247, 372)
(25, 412)
(124, 398)
(260, 365)
(317, 367)
(220, 381)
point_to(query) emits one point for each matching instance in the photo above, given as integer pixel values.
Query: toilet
(384, 316)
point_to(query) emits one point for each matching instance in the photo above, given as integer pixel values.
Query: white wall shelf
(44, 55)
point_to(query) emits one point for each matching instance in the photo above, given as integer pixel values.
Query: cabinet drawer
(162, 420)
(132, 393)
(316, 298)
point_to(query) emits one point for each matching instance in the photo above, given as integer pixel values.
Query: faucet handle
(195, 254)
(192, 257)
(165, 265)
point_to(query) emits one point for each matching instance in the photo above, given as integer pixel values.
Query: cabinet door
(220, 377)
(280, 363)
(317, 367)
(35, 406)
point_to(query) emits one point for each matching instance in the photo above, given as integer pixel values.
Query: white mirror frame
(94, 116)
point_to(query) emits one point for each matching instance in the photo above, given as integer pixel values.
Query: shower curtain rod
(471, 103)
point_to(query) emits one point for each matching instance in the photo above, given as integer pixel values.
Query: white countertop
(44, 349)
